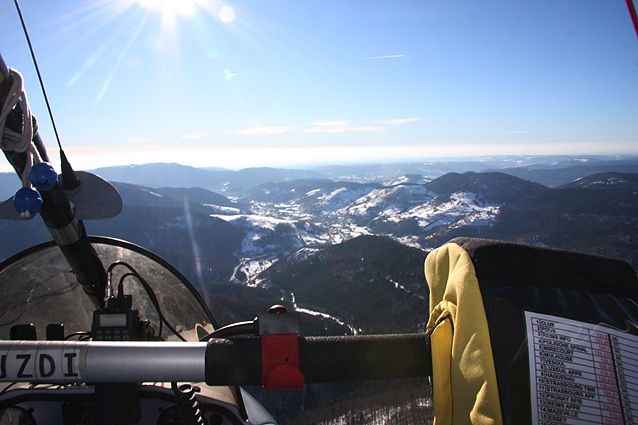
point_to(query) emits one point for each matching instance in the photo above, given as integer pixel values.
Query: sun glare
(226, 14)
(170, 8)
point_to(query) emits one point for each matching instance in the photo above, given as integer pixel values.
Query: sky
(289, 83)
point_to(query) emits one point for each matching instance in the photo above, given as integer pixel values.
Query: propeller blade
(95, 198)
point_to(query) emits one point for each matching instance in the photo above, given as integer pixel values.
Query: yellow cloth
(464, 378)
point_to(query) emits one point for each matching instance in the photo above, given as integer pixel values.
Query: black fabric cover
(514, 278)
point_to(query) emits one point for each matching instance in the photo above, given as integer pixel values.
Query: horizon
(276, 157)
(516, 161)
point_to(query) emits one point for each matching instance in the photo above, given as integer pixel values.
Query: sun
(170, 9)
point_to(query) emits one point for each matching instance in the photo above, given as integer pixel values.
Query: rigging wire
(149, 291)
(633, 14)
(120, 291)
(37, 69)
(155, 303)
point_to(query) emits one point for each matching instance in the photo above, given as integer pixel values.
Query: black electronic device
(118, 321)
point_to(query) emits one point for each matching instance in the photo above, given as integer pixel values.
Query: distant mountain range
(558, 173)
(548, 170)
(224, 181)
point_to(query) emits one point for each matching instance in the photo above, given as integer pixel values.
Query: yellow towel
(464, 378)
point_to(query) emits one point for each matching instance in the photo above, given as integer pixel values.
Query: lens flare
(226, 14)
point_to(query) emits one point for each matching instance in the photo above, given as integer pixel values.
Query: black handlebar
(323, 359)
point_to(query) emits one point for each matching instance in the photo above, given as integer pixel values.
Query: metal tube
(218, 362)
(101, 361)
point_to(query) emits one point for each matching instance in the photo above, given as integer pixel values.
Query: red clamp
(280, 362)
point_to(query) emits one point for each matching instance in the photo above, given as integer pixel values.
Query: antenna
(69, 179)
(37, 70)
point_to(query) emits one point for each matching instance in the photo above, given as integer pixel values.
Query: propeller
(94, 198)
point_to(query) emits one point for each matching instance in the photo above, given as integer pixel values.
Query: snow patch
(302, 254)
(340, 198)
(307, 311)
(404, 289)
(610, 181)
(411, 241)
(463, 208)
(150, 192)
(400, 180)
(264, 222)
(248, 270)
(331, 195)
(409, 179)
(222, 210)
(400, 197)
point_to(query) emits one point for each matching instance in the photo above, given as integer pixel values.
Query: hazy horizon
(514, 159)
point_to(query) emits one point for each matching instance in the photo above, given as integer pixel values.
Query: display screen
(112, 320)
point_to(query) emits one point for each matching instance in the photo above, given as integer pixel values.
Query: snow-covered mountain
(286, 216)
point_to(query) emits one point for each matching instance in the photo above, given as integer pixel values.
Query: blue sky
(284, 82)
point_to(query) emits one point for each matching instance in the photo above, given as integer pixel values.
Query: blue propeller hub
(27, 200)
(43, 176)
